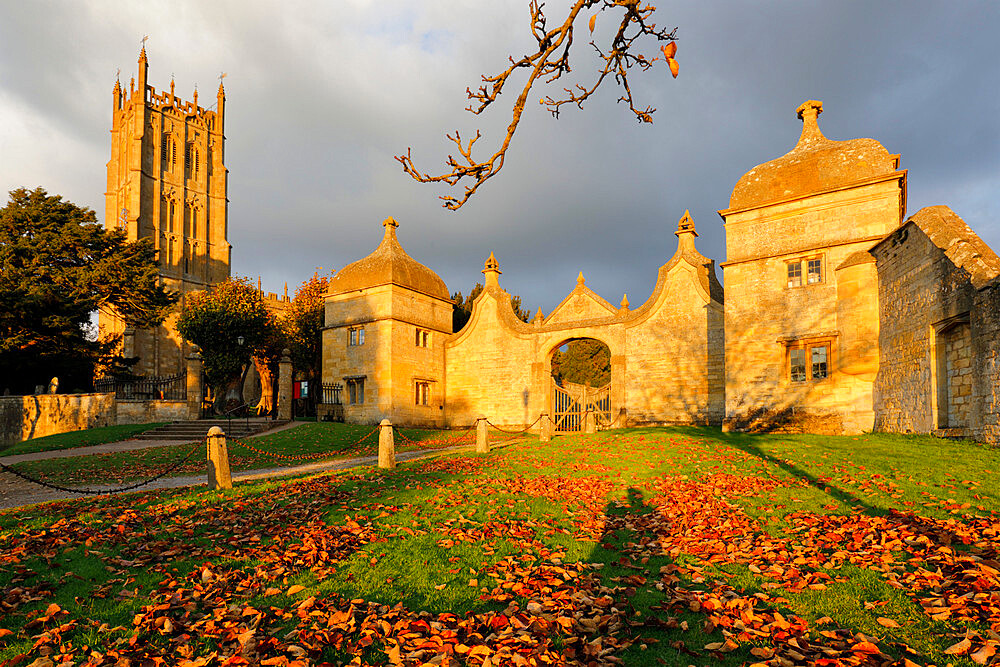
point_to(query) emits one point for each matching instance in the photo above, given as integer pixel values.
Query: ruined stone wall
(148, 412)
(985, 413)
(939, 335)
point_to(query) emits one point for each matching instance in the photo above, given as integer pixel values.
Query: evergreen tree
(463, 307)
(57, 267)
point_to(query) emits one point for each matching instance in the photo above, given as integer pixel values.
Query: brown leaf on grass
(887, 622)
(960, 648)
(292, 590)
(985, 652)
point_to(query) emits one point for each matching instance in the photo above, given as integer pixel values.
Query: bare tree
(547, 65)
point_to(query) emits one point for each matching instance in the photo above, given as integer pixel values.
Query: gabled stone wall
(939, 333)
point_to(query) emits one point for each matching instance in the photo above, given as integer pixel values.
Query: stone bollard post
(219, 476)
(386, 446)
(590, 422)
(482, 436)
(195, 385)
(285, 385)
(546, 428)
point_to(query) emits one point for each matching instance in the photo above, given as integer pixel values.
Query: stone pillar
(219, 476)
(590, 422)
(386, 446)
(546, 425)
(285, 385)
(482, 436)
(195, 385)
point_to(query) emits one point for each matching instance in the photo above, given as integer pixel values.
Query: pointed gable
(581, 304)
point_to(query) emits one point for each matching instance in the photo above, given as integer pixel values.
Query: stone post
(482, 436)
(590, 422)
(386, 446)
(219, 476)
(546, 428)
(285, 385)
(195, 385)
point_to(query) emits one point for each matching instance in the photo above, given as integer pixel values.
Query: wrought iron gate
(571, 405)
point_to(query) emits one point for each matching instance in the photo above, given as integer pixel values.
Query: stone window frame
(354, 386)
(803, 272)
(807, 345)
(422, 392)
(355, 336)
(422, 337)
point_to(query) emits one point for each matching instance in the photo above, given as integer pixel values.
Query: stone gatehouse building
(839, 316)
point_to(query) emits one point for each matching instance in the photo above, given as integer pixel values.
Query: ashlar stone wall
(666, 355)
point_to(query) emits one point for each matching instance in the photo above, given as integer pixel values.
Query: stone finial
(624, 305)
(580, 279)
(685, 225)
(171, 86)
(809, 111)
(286, 289)
(195, 95)
(491, 269)
(390, 225)
(538, 317)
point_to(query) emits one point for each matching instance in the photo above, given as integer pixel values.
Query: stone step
(195, 430)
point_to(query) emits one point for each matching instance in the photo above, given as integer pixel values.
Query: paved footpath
(16, 492)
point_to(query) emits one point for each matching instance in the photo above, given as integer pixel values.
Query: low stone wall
(145, 412)
(26, 417)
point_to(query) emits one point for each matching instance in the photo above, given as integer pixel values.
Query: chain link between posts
(97, 492)
(454, 440)
(302, 457)
(520, 432)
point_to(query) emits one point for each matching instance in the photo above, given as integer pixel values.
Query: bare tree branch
(546, 65)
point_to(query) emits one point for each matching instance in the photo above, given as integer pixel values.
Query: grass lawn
(306, 443)
(658, 546)
(94, 436)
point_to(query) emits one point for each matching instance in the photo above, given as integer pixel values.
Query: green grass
(306, 443)
(93, 436)
(651, 520)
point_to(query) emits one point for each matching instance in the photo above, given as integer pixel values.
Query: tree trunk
(266, 403)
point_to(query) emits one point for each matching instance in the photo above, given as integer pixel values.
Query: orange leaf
(674, 67)
(292, 590)
(961, 648)
(593, 22)
(865, 647)
(985, 652)
(887, 622)
(669, 50)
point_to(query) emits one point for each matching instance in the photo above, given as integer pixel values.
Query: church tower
(167, 182)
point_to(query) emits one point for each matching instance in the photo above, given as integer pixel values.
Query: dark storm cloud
(319, 99)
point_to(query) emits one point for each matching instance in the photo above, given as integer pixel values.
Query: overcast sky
(321, 95)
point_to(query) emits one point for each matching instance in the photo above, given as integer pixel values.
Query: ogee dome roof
(388, 264)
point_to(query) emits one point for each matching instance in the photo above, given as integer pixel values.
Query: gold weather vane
(143, 40)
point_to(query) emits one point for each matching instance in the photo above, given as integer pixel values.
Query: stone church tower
(167, 182)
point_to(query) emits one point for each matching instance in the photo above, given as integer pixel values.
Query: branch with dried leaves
(546, 65)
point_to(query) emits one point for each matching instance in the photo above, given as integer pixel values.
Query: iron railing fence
(167, 388)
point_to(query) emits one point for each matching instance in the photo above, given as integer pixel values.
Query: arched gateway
(388, 349)
(666, 359)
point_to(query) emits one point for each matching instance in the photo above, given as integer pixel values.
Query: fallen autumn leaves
(587, 556)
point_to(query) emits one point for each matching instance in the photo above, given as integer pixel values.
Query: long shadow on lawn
(744, 443)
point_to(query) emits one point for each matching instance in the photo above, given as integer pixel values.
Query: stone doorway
(953, 349)
(581, 385)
